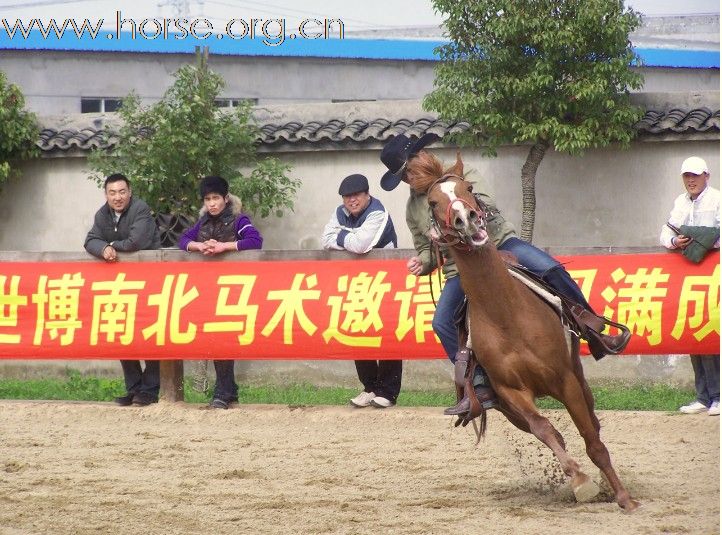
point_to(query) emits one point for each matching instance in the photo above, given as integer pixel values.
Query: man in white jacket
(699, 206)
(358, 225)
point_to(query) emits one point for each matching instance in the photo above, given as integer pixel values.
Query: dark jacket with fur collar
(230, 225)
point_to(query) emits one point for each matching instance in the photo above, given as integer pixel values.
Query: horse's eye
(470, 188)
(432, 204)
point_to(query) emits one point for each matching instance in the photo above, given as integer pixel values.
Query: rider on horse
(407, 162)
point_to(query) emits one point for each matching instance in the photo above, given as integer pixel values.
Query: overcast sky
(356, 14)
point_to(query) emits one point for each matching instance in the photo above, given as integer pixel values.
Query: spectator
(221, 227)
(696, 210)
(124, 223)
(358, 225)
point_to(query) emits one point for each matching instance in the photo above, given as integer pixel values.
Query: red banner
(336, 309)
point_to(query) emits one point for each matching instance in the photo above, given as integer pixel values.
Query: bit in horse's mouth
(479, 238)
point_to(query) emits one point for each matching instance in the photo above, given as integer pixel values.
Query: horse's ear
(458, 167)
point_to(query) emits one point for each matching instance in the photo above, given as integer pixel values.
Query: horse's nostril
(458, 222)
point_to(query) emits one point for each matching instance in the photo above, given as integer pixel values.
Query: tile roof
(324, 126)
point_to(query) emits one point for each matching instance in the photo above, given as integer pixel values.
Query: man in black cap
(360, 224)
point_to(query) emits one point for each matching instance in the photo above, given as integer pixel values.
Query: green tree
(550, 73)
(18, 129)
(167, 147)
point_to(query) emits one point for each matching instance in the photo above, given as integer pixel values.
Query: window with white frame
(99, 104)
(234, 102)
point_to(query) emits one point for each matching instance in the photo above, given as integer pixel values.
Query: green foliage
(18, 128)
(555, 72)
(166, 148)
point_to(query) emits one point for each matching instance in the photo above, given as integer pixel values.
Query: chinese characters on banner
(314, 309)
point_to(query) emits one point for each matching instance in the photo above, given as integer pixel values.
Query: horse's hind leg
(523, 406)
(588, 396)
(587, 423)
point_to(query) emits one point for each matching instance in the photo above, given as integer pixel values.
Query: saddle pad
(553, 300)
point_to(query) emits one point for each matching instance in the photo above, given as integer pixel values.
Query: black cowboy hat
(397, 152)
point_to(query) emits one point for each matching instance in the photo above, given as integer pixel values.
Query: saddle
(584, 323)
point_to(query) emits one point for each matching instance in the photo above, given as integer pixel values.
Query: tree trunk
(171, 227)
(528, 193)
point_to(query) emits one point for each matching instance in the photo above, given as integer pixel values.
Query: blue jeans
(451, 298)
(547, 267)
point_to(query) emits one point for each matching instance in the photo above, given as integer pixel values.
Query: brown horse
(519, 339)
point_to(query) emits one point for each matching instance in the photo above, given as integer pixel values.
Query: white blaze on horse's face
(463, 218)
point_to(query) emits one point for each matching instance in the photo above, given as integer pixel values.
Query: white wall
(604, 198)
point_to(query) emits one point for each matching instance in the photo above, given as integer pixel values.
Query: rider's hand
(414, 265)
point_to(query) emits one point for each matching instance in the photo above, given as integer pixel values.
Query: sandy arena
(77, 468)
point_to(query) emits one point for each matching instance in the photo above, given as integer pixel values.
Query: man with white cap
(699, 206)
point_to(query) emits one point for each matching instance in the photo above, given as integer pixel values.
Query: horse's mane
(427, 169)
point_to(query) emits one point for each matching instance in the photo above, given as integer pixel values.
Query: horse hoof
(630, 506)
(585, 491)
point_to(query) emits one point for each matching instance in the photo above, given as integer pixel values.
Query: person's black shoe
(142, 399)
(218, 403)
(126, 400)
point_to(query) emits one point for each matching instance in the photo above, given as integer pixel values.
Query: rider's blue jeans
(536, 260)
(451, 298)
(547, 267)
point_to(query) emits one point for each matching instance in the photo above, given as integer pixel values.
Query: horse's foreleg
(523, 405)
(521, 423)
(588, 425)
(516, 419)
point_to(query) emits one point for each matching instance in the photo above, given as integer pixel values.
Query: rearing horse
(519, 339)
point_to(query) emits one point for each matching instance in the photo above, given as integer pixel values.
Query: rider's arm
(419, 223)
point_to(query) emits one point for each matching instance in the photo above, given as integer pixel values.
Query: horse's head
(456, 216)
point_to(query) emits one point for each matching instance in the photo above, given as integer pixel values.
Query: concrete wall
(604, 198)
(54, 81)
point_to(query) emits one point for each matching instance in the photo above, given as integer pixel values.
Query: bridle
(449, 236)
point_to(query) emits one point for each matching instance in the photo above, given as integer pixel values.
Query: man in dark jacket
(125, 224)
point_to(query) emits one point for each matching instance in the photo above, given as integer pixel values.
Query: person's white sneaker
(363, 399)
(693, 408)
(381, 403)
(713, 409)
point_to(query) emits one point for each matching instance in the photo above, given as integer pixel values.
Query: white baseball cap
(694, 165)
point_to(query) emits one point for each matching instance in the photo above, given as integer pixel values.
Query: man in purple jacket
(221, 227)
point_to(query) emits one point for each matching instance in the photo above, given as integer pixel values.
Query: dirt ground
(76, 468)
